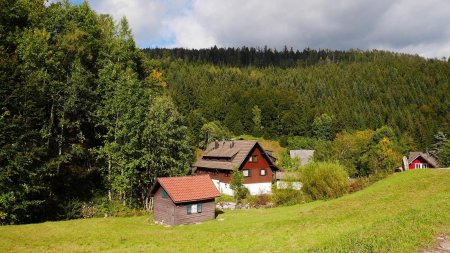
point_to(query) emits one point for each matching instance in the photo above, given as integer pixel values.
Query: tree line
(267, 57)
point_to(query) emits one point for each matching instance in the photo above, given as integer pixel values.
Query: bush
(358, 184)
(237, 185)
(258, 200)
(71, 209)
(324, 180)
(225, 198)
(287, 197)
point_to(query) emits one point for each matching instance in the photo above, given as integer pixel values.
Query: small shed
(304, 155)
(184, 200)
(420, 160)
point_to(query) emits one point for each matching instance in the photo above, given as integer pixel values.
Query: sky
(411, 26)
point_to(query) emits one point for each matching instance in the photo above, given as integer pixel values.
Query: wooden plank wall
(208, 213)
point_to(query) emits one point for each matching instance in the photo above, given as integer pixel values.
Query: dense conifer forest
(357, 89)
(88, 120)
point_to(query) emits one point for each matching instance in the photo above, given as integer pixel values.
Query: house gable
(226, 155)
(163, 208)
(421, 160)
(254, 168)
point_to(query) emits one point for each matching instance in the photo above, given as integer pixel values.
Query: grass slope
(402, 213)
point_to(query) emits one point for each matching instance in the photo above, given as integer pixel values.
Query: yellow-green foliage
(403, 213)
(287, 197)
(266, 144)
(324, 180)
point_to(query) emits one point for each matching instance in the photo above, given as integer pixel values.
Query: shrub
(324, 180)
(70, 210)
(258, 200)
(287, 197)
(225, 198)
(358, 184)
(237, 185)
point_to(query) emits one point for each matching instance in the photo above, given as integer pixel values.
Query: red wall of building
(221, 175)
(418, 160)
(255, 167)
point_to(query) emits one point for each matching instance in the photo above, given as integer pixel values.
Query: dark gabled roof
(219, 153)
(187, 189)
(234, 152)
(429, 158)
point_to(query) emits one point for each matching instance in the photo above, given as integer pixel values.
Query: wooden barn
(183, 200)
(257, 165)
(420, 160)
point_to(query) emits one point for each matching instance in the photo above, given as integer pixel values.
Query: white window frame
(262, 172)
(420, 166)
(253, 159)
(194, 208)
(246, 173)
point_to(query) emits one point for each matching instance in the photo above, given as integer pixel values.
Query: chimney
(231, 143)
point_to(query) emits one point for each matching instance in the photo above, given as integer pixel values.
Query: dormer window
(253, 159)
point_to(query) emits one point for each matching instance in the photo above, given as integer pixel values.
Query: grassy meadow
(403, 213)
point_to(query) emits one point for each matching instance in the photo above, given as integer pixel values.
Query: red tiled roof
(187, 189)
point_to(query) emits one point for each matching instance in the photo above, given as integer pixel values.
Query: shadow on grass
(218, 211)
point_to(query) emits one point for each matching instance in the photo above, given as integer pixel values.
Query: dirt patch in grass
(442, 245)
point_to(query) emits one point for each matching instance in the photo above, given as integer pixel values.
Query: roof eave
(194, 200)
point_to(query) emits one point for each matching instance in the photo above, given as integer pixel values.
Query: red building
(257, 165)
(183, 200)
(419, 160)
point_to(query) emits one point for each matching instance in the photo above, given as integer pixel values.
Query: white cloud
(413, 26)
(148, 18)
(421, 27)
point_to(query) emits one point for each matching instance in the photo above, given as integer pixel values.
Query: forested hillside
(357, 89)
(265, 57)
(81, 118)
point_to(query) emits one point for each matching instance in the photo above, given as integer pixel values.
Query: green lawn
(403, 213)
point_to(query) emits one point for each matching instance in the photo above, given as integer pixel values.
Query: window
(246, 173)
(194, 208)
(253, 159)
(263, 172)
(420, 165)
(164, 194)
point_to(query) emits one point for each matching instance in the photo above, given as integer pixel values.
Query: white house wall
(289, 185)
(259, 188)
(254, 189)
